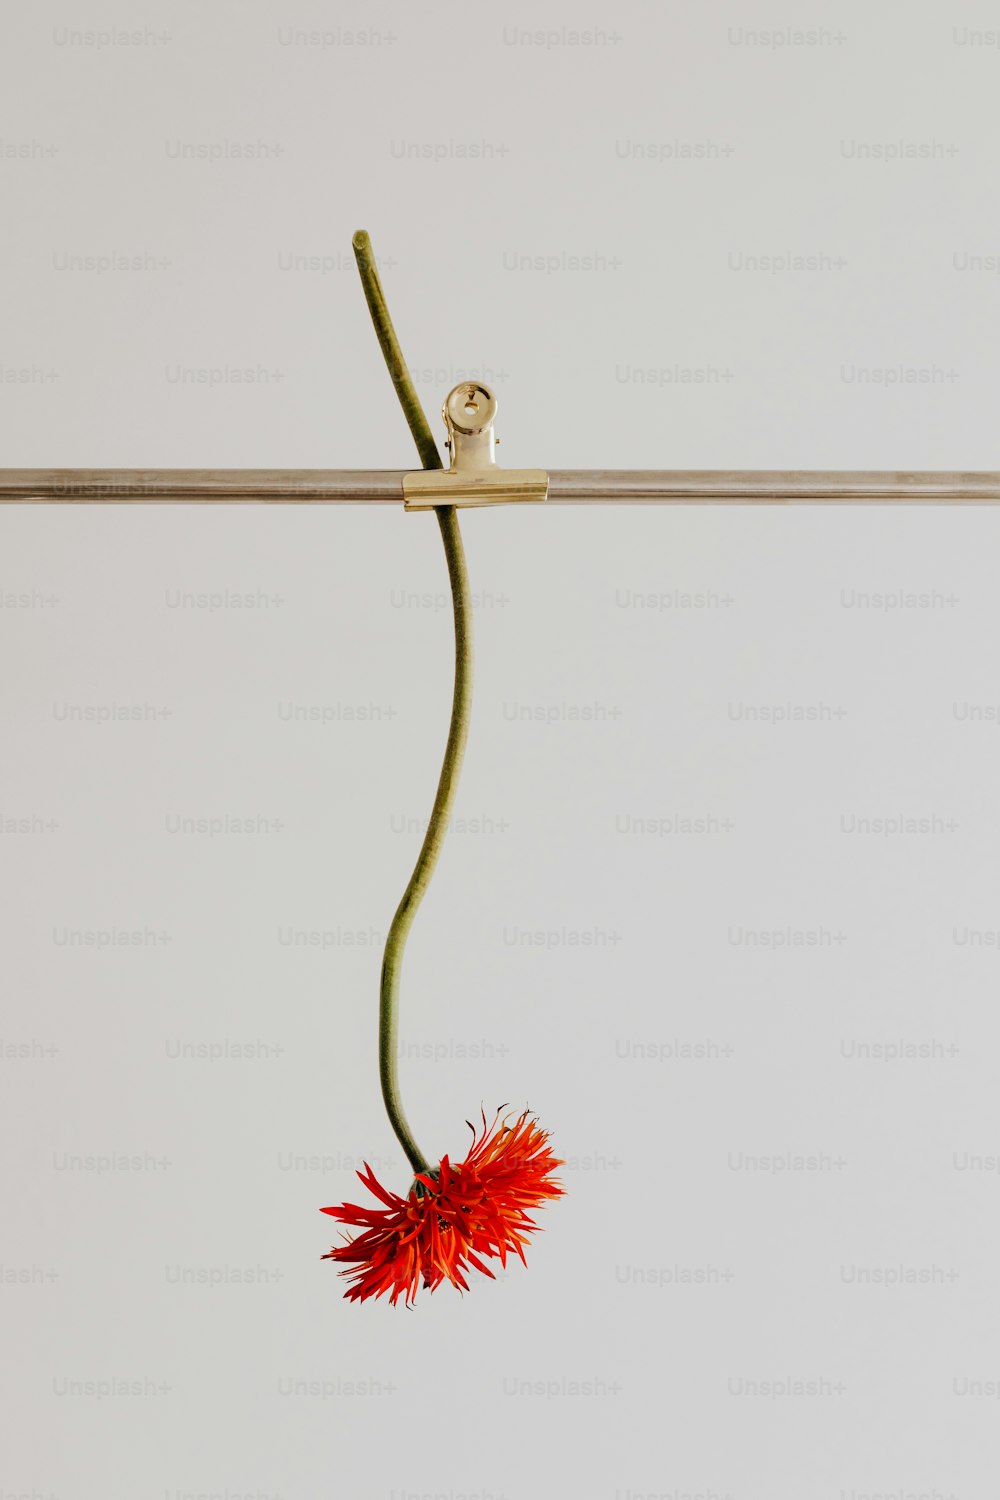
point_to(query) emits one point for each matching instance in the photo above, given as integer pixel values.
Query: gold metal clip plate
(475, 477)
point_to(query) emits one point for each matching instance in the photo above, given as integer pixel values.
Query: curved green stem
(389, 344)
(433, 838)
(458, 729)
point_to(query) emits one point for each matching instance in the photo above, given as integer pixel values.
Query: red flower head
(452, 1216)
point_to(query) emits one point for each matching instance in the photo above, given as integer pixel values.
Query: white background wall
(784, 1206)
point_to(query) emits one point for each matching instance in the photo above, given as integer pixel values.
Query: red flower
(451, 1217)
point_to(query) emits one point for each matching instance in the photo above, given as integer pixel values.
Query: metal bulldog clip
(474, 476)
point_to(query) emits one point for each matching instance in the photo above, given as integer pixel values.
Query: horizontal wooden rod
(566, 487)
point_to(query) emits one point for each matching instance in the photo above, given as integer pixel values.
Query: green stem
(389, 343)
(458, 729)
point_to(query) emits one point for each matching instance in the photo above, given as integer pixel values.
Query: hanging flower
(455, 1216)
(452, 1217)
